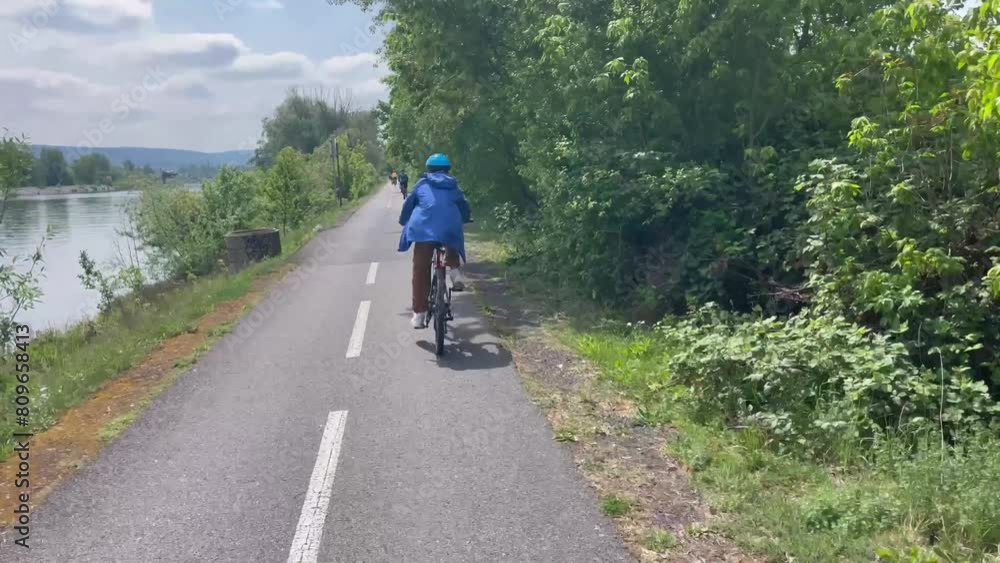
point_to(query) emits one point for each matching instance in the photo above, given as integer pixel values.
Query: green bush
(906, 492)
(285, 194)
(231, 201)
(173, 226)
(130, 279)
(185, 231)
(852, 510)
(812, 382)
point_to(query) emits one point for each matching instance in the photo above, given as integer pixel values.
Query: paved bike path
(435, 461)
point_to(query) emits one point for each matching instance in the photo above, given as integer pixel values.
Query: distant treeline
(51, 168)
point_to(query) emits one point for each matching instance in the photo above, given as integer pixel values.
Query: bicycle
(439, 299)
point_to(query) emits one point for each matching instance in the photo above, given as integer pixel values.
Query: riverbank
(29, 192)
(69, 367)
(67, 190)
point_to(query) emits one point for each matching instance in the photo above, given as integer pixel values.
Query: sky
(183, 74)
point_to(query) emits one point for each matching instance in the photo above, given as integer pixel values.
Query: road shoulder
(648, 494)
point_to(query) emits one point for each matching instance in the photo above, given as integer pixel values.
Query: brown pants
(422, 254)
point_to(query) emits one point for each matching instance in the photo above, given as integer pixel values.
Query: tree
(148, 170)
(230, 201)
(172, 226)
(129, 166)
(285, 194)
(54, 170)
(305, 122)
(92, 168)
(18, 275)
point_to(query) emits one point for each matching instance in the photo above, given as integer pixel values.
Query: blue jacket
(435, 212)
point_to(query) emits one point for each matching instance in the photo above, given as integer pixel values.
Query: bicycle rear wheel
(440, 311)
(431, 295)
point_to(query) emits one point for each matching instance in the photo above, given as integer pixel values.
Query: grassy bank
(782, 485)
(901, 494)
(68, 366)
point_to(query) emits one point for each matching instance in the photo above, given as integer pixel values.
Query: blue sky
(193, 74)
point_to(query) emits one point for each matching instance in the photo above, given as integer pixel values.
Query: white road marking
(305, 546)
(358, 336)
(372, 272)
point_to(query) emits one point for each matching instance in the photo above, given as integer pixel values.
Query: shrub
(285, 194)
(173, 226)
(129, 279)
(230, 201)
(813, 383)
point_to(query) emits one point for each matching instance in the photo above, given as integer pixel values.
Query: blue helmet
(438, 161)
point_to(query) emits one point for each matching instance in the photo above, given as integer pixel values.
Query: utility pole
(335, 155)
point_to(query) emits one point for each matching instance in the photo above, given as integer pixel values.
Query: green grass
(660, 541)
(786, 506)
(566, 436)
(118, 425)
(67, 367)
(616, 506)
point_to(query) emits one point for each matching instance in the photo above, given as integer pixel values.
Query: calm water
(72, 223)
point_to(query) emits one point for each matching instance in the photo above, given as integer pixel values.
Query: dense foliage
(51, 169)
(183, 232)
(93, 169)
(305, 122)
(837, 156)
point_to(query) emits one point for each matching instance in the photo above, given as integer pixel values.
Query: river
(69, 224)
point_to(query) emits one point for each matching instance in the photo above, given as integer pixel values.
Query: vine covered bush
(813, 383)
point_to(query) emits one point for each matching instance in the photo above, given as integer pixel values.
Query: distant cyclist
(434, 214)
(394, 178)
(404, 184)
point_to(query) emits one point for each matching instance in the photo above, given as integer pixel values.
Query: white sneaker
(419, 320)
(457, 280)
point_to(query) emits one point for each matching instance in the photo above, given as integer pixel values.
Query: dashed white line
(358, 336)
(305, 546)
(372, 272)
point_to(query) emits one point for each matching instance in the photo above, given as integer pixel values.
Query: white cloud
(359, 76)
(33, 81)
(211, 91)
(184, 49)
(268, 5)
(87, 16)
(190, 86)
(283, 65)
(344, 64)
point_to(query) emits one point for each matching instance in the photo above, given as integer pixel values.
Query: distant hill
(170, 159)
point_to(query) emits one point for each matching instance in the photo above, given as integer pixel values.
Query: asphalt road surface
(324, 429)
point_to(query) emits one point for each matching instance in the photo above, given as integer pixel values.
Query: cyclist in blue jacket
(434, 213)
